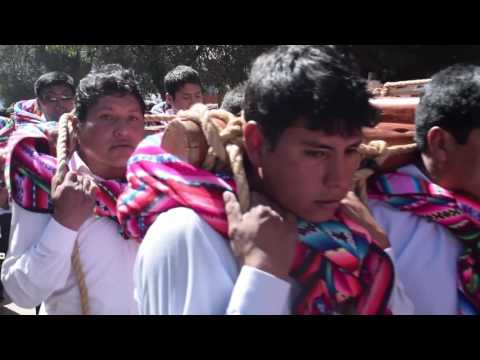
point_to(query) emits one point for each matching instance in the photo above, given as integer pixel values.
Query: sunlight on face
(309, 172)
(55, 101)
(111, 131)
(186, 96)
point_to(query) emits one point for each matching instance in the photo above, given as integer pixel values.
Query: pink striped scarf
(29, 169)
(456, 212)
(340, 268)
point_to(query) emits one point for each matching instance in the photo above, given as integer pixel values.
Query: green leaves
(221, 66)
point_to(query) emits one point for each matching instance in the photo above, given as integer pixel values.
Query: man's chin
(119, 162)
(120, 154)
(319, 216)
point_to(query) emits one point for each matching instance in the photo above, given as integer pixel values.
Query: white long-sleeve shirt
(185, 267)
(425, 253)
(38, 267)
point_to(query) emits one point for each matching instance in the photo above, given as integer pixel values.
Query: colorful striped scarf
(29, 169)
(7, 126)
(339, 267)
(26, 111)
(456, 212)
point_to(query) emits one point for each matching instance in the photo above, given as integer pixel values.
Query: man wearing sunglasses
(55, 92)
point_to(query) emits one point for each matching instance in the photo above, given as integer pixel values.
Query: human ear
(439, 144)
(254, 142)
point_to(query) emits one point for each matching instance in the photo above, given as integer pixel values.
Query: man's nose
(121, 129)
(336, 175)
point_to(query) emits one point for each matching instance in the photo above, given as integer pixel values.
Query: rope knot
(224, 136)
(222, 131)
(376, 149)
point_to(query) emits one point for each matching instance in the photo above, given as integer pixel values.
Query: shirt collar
(413, 170)
(77, 164)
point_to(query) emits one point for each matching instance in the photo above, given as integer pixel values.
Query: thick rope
(226, 149)
(80, 275)
(65, 146)
(225, 144)
(406, 83)
(388, 86)
(158, 118)
(157, 122)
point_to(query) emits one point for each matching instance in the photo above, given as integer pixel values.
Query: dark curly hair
(111, 79)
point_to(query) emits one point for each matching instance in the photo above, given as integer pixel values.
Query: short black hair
(50, 79)
(451, 101)
(110, 79)
(233, 100)
(318, 83)
(179, 77)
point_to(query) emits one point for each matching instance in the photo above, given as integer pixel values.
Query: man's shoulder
(405, 226)
(382, 209)
(386, 214)
(179, 218)
(160, 108)
(181, 228)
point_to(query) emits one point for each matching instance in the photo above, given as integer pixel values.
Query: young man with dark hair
(430, 208)
(183, 89)
(107, 126)
(54, 96)
(307, 246)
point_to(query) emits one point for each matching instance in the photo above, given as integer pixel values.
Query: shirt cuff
(258, 293)
(58, 238)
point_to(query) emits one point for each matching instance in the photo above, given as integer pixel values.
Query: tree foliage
(222, 66)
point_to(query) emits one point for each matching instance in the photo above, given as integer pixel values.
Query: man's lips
(121, 146)
(328, 203)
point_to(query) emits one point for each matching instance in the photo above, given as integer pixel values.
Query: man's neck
(421, 163)
(102, 171)
(424, 164)
(256, 184)
(254, 181)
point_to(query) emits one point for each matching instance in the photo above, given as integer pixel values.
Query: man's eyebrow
(316, 144)
(320, 145)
